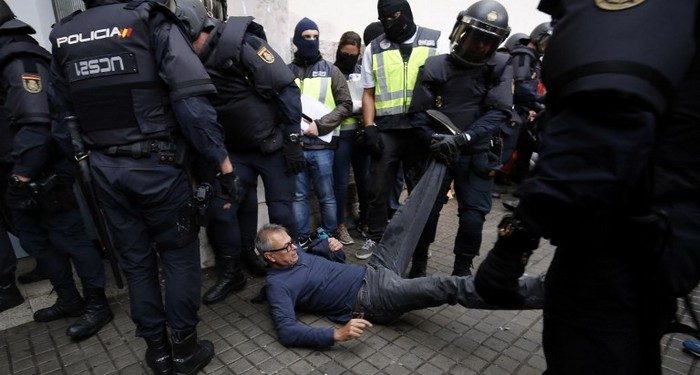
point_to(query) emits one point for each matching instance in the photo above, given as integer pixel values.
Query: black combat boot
(9, 294)
(97, 314)
(190, 355)
(68, 303)
(231, 279)
(463, 265)
(159, 355)
(419, 262)
(252, 263)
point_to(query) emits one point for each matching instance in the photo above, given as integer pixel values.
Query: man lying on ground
(318, 281)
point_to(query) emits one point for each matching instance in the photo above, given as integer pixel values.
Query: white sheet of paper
(315, 110)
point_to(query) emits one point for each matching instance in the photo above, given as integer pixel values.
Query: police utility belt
(167, 151)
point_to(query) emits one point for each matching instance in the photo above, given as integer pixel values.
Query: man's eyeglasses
(288, 246)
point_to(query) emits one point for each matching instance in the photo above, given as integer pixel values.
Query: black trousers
(400, 146)
(55, 240)
(145, 202)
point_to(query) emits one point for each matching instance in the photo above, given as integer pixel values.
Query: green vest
(394, 77)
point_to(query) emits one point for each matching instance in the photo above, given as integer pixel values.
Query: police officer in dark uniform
(258, 105)
(127, 70)
(607, 302)
(39, 193)
(472, 86)
(526, 98)
(9, 294)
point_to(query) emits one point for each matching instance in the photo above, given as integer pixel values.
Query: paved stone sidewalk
(448, 339)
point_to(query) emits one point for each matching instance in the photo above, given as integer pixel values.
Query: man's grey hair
(262, 239)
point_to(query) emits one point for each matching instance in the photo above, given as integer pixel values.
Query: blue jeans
(319, 172)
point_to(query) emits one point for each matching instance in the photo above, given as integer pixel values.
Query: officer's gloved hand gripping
(445, 148)
(293, 156)
(230, 187)
(496, 280)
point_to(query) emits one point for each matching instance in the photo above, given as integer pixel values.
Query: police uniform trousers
(146, 203)
(473, 187)
(54, 239)
(401, 146)
(279, 192)
(604, 311)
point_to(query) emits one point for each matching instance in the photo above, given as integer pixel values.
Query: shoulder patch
(384, 44)
(32, 83)
(265, 55)
(617, 4)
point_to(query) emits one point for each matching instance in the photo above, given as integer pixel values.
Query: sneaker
(343, 236)
(366, 250)
(692, 346)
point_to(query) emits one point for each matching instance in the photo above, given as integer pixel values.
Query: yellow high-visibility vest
(394, 77)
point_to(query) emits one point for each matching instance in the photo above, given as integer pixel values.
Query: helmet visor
(475, 42)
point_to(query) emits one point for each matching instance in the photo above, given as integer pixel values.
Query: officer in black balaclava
(387, 94)
(39, 192)
(138, 114)
(397, 19)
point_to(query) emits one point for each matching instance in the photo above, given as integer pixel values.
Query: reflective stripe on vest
(395, 78)
(320, 89)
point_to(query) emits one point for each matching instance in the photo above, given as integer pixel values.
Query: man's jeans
(319, 172)
(385, 295)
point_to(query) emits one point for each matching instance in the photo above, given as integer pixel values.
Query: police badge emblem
(32, 83)
(617, 4)
(266, 55)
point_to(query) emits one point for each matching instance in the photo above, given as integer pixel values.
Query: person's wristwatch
(294, 138)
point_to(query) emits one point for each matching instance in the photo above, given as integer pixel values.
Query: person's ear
(268, 258)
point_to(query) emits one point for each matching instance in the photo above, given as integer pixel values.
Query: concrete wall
(39, 14)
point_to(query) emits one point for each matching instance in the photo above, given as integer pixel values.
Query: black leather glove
(230, 187)
(293, 157)
(445, 148)
(19, 197)
(496, 280)
(372, 140)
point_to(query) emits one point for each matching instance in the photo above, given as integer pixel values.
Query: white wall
(334, 17)
(38, 14)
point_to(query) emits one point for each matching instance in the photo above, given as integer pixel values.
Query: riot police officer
(127, 70)
(389, 70)
(39, 194)
(607, 301)
(527, 99)
(473, 87)
(258, 105)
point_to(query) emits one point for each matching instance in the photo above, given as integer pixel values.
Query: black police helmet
(9, 22)
(193, 15)
(515, 40)
(478, 32)
(540, 36)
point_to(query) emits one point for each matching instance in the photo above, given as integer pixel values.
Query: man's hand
(373, 142)
(445, 148)
(312, 130)
(352, 330)
(334, 245)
